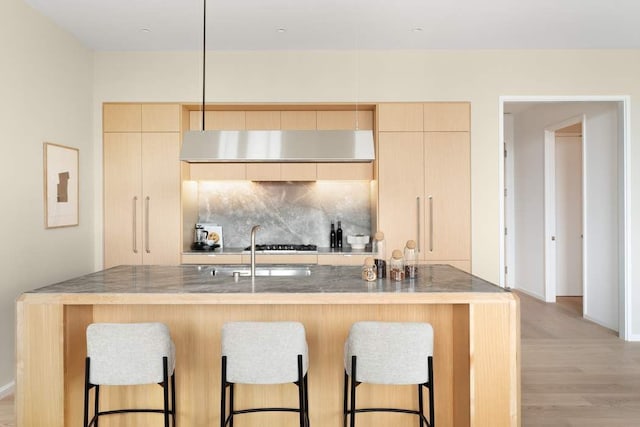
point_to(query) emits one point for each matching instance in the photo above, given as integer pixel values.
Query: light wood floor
(574, 372)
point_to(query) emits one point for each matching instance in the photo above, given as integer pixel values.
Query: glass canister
(411, 260)
(396, 266)
(369, 272)
(380, 255)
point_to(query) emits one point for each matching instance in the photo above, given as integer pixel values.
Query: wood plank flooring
(574, 372)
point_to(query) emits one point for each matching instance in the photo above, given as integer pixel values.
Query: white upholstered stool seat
(399, 353)
(129, 354)
(264, 353)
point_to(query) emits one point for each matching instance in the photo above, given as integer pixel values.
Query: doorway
(564, 210)
(602, 232)
(568, 186)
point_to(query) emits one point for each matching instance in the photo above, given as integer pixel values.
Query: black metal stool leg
(173, 397)
(300, 391)
(231, 403)
(96, 412)
(420, 405)
(344, 399)
(86, 392)
(165, 390)
(353, 391)
(223, 393)
(432, 419)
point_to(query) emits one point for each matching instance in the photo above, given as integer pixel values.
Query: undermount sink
(275, 271)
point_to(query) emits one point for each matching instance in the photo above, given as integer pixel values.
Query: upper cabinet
(141, 118)
(447, 117)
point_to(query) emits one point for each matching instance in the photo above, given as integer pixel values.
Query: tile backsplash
(288, 212)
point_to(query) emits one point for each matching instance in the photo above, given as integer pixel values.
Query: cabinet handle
(146, 225)
(430, 223)
(418, 220)
(133, 228)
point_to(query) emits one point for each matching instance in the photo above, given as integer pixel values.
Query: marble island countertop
(191, 279)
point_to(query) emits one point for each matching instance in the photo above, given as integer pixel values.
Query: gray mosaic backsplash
(288, 212)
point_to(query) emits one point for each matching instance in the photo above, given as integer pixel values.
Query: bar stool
(264, 353)
(389, 353)
(129, 354)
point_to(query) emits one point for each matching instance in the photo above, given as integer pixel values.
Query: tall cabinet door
(161, 198)
(447, 196)
(122, 199)
(401, 187)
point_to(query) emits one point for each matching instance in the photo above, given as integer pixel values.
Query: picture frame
(61, 185)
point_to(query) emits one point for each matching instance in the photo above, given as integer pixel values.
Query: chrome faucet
(254, 229)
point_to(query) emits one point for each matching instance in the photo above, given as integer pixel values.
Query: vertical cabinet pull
(133, 228)
(430, 223)
(418, 220)
(146, 226)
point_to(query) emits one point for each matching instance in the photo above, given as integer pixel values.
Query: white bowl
(357, 241)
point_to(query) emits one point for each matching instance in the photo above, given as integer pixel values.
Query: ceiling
(176, 25)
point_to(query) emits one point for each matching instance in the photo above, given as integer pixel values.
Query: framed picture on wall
(61, 185)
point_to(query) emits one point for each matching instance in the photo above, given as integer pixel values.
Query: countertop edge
(266, 298)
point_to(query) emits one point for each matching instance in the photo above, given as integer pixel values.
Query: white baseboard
(531, 294)
(7, 389)
(634, 337)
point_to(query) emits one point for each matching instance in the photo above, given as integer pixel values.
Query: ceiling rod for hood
(204, 57)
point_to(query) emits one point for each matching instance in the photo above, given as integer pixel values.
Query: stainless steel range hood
(278, 146)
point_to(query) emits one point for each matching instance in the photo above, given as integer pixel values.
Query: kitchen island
(476, 355)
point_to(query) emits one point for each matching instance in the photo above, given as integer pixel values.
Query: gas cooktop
(280, 248)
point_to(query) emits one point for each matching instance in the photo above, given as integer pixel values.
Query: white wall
(46, 91)
(600, 203)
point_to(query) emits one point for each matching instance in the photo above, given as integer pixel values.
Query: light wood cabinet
(345, 120)
(262, 120)
(424, 190)
(447, 196)
(400, 187)
(403, 117)
(342, 259)
(121, 117)
(298, 120)
(447, 117)
(141, 186)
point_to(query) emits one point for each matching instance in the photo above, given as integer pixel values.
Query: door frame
(625, 321)
(550, 247)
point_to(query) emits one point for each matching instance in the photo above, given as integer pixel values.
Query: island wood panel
(494, 402)
(76, 320)
(40, 370)
(196, 333)
(490, 354)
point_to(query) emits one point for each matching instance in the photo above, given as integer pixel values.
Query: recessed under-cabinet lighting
(281, 30)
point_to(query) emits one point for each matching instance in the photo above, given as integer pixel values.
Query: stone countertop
(191, 279)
